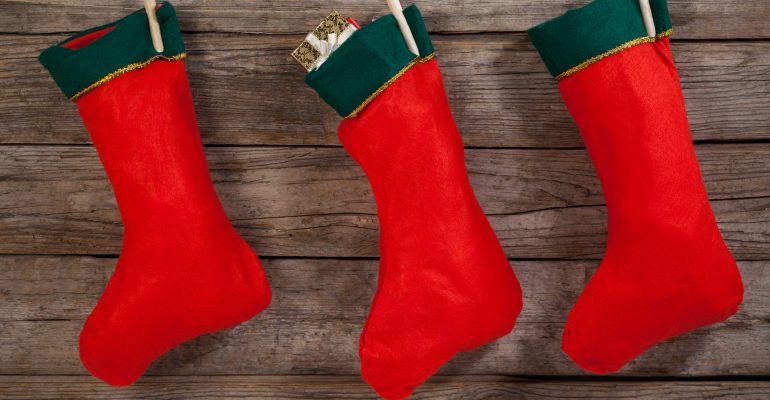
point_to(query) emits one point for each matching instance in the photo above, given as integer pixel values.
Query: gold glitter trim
(390, 81)
(593, 60)
(128, 68)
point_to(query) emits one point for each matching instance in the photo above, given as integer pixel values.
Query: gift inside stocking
(666, 269)
(444, 284)
(183, 271)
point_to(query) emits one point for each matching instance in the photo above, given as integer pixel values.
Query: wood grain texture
(315, 202)
(310, 200)
(352, 388)
(319, 307)
(249, 91)
(692, 19)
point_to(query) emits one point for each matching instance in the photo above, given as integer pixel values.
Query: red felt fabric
(183, 270)
(666, 269)
(444, 284)
(85, 40)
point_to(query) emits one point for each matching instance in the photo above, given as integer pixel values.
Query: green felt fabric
(127, 43)
(586, 32)
(367, 60)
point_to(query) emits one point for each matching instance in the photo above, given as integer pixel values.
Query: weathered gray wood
(350, 388)
(248, 90)
(701, 19)
(319, 307)
(317, 202)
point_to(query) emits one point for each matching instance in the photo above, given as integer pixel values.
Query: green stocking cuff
(124, 47)
(368, 61)
(585, 35)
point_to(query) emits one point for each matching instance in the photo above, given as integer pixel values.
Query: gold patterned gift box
(318, 45)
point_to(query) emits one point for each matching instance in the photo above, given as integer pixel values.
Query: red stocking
(666, 269)
(183, 270)
(445, 284)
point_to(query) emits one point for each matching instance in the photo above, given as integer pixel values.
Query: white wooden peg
(395, 8)
(157, 39)
(649, 23)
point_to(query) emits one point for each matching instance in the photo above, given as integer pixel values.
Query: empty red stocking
(183, 270)
(666, 269)
(445, 284)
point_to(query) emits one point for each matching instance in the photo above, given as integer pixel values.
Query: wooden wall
(307, 209)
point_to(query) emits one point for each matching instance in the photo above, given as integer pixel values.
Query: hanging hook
(395, 8)
(649, 23)
(157, 39)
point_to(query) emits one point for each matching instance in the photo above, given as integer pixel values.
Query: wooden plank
(316, 201)
(350, 388)
(703, 19)
(319, 307)
(248, 90)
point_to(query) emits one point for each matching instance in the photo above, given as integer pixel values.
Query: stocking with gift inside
(183, 271)
(444, 283)
(666, 269)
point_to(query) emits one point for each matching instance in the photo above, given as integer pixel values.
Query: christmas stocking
(183, 270)
(444, 284)
(666, 269)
